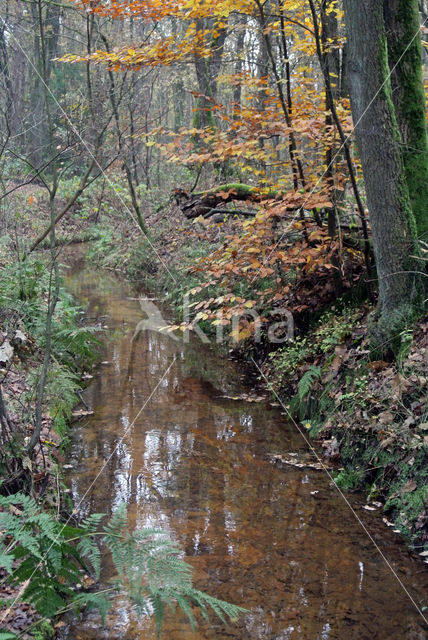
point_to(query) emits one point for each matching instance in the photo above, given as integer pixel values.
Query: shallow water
(165, 439)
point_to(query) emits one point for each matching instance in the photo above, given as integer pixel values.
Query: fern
(307, 382)
(23, 289)
(87, 546)
(6, 561)
(300, 402)
(153, 573)
(37, 548)
(49, 557)
(91, 601)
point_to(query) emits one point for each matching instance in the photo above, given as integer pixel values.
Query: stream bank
(36, 474)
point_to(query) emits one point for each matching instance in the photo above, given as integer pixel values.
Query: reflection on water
(195, 464)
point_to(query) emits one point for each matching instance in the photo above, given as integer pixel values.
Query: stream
(168, 438)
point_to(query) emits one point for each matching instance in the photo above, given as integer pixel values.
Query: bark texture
(402, 24)
(207, 72)
(378, 139)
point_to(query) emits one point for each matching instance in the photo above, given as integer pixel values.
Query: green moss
(350, 479)
(203, 117)
(389, 331)
(242, 190)
(405, 61)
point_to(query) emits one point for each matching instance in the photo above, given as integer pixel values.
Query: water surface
(196, 463)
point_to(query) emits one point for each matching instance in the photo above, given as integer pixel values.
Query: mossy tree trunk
(379, 142)
(402, 23)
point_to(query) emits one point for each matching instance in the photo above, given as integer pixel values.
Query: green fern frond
(222, 608)
(117, 524)
(307, 382)
(150, 566)
(183, 603)
(88, 548)
(158, 611)
(6, 561)
(92, 601)
(27, 505)
(13, 525)
(154, 574)
(7, 635)
(43, 595)
(92, 522)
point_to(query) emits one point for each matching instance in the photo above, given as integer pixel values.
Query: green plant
(333, 329)
(302, 402)
(307, 381)
(151, 568)
(47, 559)
(37, 553)
(286, 360)
(405, 346)
(350, 479)
(43, 631)
(24, 288)
(102, 246)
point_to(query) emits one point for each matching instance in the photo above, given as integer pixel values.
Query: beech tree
(389, 187)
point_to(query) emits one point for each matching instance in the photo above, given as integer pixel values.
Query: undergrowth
(24, 295)
(48, 561)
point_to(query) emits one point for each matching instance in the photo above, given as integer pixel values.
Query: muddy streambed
(196, 463)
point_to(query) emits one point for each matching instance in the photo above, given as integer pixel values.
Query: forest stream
(177, 434)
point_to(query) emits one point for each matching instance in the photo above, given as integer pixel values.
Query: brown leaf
(378, 365)
(385, 418)
(410, 486)
(385, 443)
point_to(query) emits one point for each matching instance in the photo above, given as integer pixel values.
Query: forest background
(253, 157)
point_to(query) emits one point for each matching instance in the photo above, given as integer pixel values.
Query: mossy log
(204, 202)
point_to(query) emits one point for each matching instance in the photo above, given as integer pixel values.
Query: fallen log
(220, 213)
(203, 203)
(212, 203)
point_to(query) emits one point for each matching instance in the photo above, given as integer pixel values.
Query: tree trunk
(378, 138)
(207, 72)
(239, 62)
(405, 60)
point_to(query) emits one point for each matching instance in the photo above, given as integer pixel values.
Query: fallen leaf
(387, 522)
(410, 486)
(6, 353)
(77, 415)
(378, 365)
